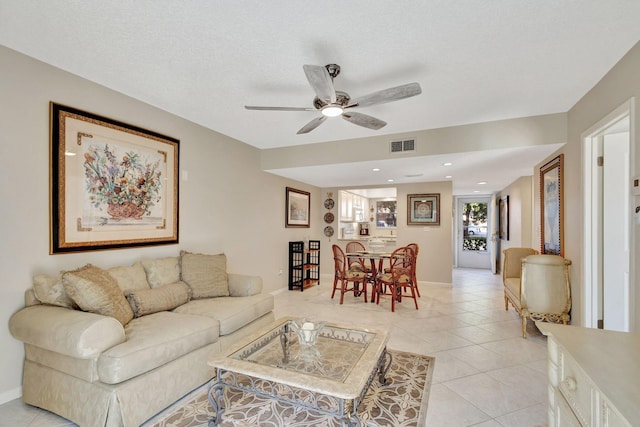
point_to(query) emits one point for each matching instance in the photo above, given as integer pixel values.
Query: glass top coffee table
(331, 376)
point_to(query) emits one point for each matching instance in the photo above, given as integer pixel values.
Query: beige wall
(520, 215)
(227, 204)
(616, 87)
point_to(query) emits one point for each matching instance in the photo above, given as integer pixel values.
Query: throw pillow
(96, 291)
(206, 275)
(162, 271)
(130, 278)
(167, 297)
(50, 290)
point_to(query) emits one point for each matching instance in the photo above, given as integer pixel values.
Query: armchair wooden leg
(506, 303)
(524, 326)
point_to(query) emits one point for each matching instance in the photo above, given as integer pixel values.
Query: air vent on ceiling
(404, 145)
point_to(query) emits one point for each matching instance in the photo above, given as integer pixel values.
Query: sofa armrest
(242, 285)
(70, 332)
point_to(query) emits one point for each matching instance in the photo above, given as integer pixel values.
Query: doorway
(608, 221)
(473, 215)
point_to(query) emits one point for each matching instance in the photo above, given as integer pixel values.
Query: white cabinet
(353, 208)
(346, 206)
(594, 377)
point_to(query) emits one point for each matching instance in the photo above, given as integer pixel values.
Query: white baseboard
(10, 395)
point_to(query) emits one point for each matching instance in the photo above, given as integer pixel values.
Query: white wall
(227, 204)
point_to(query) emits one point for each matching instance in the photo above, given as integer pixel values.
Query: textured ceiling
(476, 61)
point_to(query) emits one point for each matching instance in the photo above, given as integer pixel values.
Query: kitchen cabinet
(353, 208)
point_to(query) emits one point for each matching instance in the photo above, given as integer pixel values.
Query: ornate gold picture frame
(113, 185)
(552, 207)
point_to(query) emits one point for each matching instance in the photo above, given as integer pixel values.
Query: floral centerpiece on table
(127, 186)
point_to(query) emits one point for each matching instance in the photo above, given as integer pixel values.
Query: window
(386, 213)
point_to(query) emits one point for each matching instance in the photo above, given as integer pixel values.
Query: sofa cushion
(96, 291)
(50, 290)
(153, 341)
(130, 278)
(205, 274)
(149, 301)
(162, 271)
(232, 312)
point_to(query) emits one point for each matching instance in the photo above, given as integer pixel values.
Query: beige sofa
(114, 347)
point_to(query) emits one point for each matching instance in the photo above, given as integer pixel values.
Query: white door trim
(591, 243)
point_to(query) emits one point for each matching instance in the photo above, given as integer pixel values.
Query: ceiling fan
(333, 103)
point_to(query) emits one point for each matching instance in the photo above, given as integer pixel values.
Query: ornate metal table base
(343, 409)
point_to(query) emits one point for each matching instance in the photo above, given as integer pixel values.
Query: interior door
(608, 270)
(473, 232)
(615, 232)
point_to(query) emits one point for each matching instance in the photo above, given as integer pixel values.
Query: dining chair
(354, 247)
(343, 276)
(359, 263)
(416, 249)
(399, 278)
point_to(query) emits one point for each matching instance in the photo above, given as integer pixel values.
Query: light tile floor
(485, 374)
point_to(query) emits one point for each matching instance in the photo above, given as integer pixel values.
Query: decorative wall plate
(329, 203)
(328, 231)
(328, 218)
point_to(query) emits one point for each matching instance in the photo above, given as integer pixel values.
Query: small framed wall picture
(423, 209)
(297, 208)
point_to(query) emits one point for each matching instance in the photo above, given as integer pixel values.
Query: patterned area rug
(401, 402)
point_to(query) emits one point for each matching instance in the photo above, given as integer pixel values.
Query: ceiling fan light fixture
(332, 111)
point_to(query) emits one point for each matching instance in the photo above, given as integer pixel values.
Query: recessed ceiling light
(390, 180)
(476, 191)
(413, 175)
(447, 164)
(448, 177)
(376, 169)
(481, 182)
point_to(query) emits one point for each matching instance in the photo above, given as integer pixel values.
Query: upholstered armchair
(545, 290)
(511, 271)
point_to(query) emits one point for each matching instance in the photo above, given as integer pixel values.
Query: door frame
(458, 240)
(591, 266)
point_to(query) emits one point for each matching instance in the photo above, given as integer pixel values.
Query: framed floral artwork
(551, 207)
(297, 208)
(423, 209)
(113, 185)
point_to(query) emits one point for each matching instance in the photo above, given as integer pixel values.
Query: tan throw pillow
(162, 271)
(96, 291)
(167, 297)
(50, 290)
(130, 278)
(206, 275)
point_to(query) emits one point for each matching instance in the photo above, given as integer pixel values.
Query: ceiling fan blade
(363, 120)
(312, 125)
(321, 82)
(387, 95)
(253, 107)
